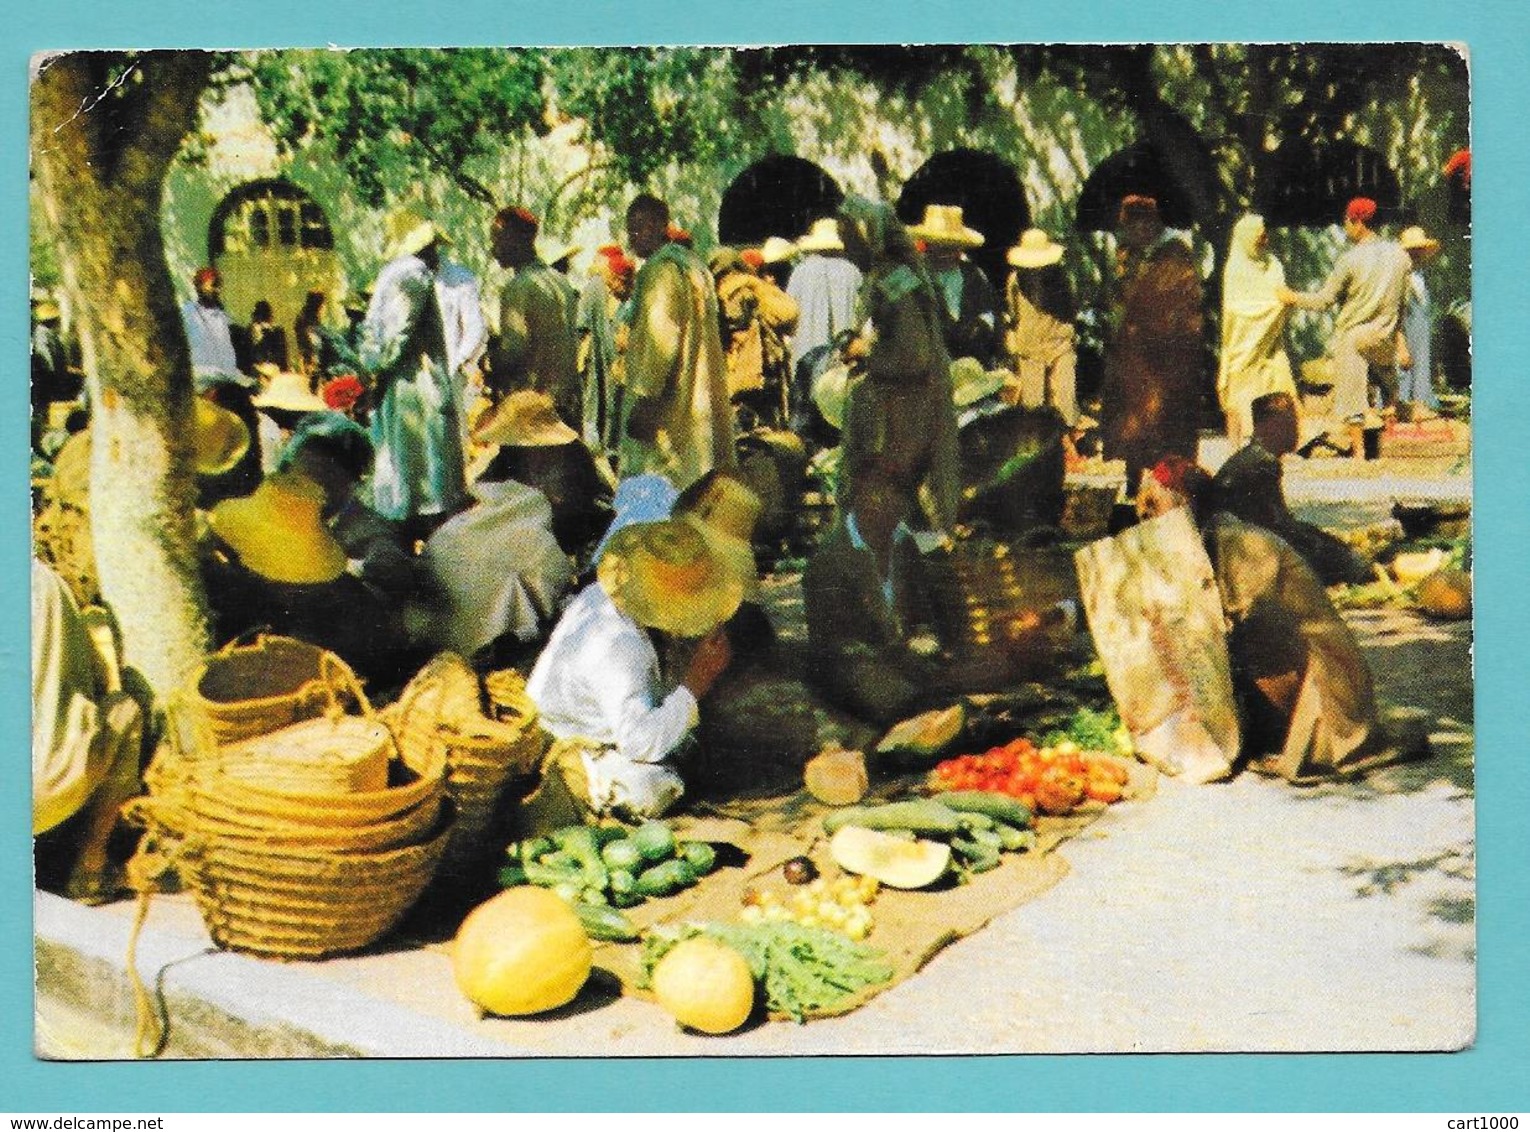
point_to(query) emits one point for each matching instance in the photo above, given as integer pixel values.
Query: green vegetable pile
(804, 970)
(598, 868)
(979, 825)
(1091, 730)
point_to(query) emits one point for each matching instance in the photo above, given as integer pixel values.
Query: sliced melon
(925, 735)
(1447, 594)
(892, 860)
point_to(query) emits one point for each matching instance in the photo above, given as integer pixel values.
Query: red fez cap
(610, 251)
(1181, 474)
(206, 275)
(1460, 165)
(1361, 210)
(517, 215)
(753, 257)
(678, 235)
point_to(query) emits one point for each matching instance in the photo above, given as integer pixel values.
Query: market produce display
(803, 970)
(913, 844)
(925, 736)
(598, 869)
(521, 952)
(1077, 764)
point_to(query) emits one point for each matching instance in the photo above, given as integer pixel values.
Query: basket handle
(338, 678)
(247, 641)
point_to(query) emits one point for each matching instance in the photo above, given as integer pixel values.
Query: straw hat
(723, 502)
(553, 252)
(777, 250)
(1035, 249)
(942, 224)
(45, 310)
(289, 391)
(221, 439)
(278, 532)
(970, 382)
(524, 419)
(1416, 239)
(822, 237)
(409, 233)
(678, 575)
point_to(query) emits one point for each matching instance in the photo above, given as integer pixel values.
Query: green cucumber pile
(979, 825)
(599, 869)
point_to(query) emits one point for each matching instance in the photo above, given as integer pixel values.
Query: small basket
(245, 690)
(294, 903)
(978, 586)
(506, 692)
(1087, 507)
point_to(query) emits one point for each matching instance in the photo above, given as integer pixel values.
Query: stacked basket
(979, 588)
(308, 839)
(441, 716)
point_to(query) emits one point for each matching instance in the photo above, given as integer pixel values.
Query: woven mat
(910, 927)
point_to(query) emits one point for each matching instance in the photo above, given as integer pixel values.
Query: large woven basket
(295, 903)
(978, 586)
(244, 690)
(339, 755)
(437, 715)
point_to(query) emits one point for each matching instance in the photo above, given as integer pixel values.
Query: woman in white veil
(1253, 358)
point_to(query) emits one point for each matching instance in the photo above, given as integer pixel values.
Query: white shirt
(598, 679)
(210, 337)
(462, 320)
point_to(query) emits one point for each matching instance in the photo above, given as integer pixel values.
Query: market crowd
(574, 476)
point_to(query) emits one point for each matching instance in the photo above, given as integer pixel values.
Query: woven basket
(216, 814)
(506, 693)
(344, 755)
(1087, 507)
(978, 586)
(293, 903)
(245, 690)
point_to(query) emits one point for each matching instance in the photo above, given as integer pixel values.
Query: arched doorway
(989, 193)
(1307, 185)
(779, 195)
(270, 240)
(1136, 170)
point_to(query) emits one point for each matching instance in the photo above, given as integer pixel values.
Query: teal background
(1492, 1077)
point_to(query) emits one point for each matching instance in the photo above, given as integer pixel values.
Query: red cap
(1460, 165)
(753, 258)
(678, 235)
(1137, 206)
(206, 275)
(1361, 210)
(343, 392)
(1181, 474)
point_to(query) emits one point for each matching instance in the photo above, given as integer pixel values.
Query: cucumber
(976, 857)
(623, 883)
(550, 876)
(924, 816)
(654, 840)
(988, 837)
(701, 857)
(975, 821)
(601, 922)
(666, 878)
(1015, 840)
(512, 876)
(534, 849)
(622, 855)
(569, 892)
(605, 834)
(578, 843)
(1000, 807)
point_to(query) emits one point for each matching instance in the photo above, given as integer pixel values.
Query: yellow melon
(892, 860)
(521, 952)
(706, 985)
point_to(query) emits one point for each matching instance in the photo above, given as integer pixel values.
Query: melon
(896, 862)
(925, 735)
(706, 985)
(521, 952)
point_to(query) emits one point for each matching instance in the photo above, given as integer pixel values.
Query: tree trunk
(105, 127)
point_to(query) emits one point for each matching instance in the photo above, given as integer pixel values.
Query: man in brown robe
(1150, 402)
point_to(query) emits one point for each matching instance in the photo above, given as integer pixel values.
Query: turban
(204, 276)
(1361, 210)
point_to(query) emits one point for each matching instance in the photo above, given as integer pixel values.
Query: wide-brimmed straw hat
(678, 575)
(1416, 239)
(553, 252)
(524, 419)
(409, 233)
(942, 224)
(970, 382)
(728, 507)
(279, 532)
(221, 439)
(823, 236)
(1035, 249)
(645, 498)
(289, 392)
(779, 250)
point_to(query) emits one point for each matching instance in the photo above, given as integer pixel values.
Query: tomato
(1102, 790)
